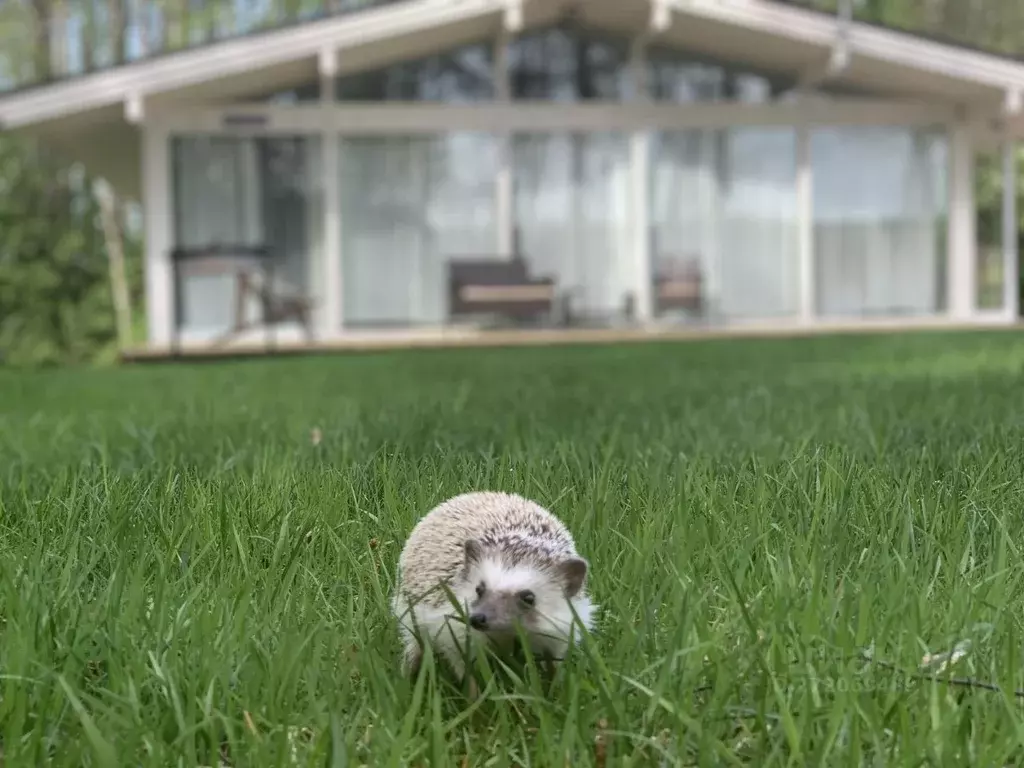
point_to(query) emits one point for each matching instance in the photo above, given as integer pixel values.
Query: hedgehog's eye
(480, 589)
(526, 597)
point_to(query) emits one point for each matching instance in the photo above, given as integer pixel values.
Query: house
(423, 165)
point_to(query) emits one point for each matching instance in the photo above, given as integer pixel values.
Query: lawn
(187, 574)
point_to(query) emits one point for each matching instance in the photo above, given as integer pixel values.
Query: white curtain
(572, 212)
(759, 256)
(291, 207)
(685, 204)
(879, 199)
(217, 200)
(726, 200)
(409, 205)
(245, 191)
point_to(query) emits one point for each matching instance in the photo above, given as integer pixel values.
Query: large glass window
(724, 208)
(573, 217)
(568, 64)
(307, 92)
(251, 192)
(463, 75)
(410, 204)
(674, 75)
(880, 204)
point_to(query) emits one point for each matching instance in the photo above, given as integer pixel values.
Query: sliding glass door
(409, 205)
(724, 206)
(245, 191)
(879, 220)
(573, 217)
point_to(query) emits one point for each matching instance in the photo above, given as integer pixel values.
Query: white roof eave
(883, 45)
(234, 57)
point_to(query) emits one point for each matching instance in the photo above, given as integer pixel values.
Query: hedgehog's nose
(478, 621)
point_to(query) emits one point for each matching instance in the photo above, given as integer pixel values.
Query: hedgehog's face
(501, 596)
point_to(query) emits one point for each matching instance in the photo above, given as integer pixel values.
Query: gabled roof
(282, 55)
(92, 116)
(774, 35)
(876, 54)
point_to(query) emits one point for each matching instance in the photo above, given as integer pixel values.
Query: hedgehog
(510, 564)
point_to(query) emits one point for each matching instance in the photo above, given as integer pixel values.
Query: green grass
(181, 567)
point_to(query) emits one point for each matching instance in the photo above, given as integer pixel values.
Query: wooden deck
(456, 338)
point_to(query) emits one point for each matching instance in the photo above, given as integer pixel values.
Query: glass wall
(567, 64)
(458, 76)
(409, 205)
(880, 200)
(673, 75)
(302, 93)
(245, 191)
(723, 203)
(573, 217)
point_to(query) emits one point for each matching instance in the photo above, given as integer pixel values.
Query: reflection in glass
(724, 202)
(304, 93)
(462, 75)
(879, 220)
(409, 205)
(568, 64)
(673, 75)
(573, 217)
(245, 191)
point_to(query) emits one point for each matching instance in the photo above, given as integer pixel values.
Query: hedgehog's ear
(574, 571)
(473, 552)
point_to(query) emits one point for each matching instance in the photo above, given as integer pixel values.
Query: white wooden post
(1011, 262)
(963, 264)
(640, 165)
(709, 203)
(158, 213)
(504, 201)
(805, 225)
(332, 317)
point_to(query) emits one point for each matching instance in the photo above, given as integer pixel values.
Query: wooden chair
(253, 271)
(679, 287)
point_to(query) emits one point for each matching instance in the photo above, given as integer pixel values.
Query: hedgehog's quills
(482, 567)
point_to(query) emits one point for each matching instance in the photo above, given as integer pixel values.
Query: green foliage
(989, 196)
(55, 296)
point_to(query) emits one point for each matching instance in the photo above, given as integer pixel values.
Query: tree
(55, 291)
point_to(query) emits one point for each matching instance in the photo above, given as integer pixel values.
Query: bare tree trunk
(118, 21)
(140, 12)
(42, 10)
(89, 36)
(112, 235)
(158, 34)
(177, 24)
(59, 40)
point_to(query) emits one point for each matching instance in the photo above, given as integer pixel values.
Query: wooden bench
(498, 287)
(679, 288)
(253, 271)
